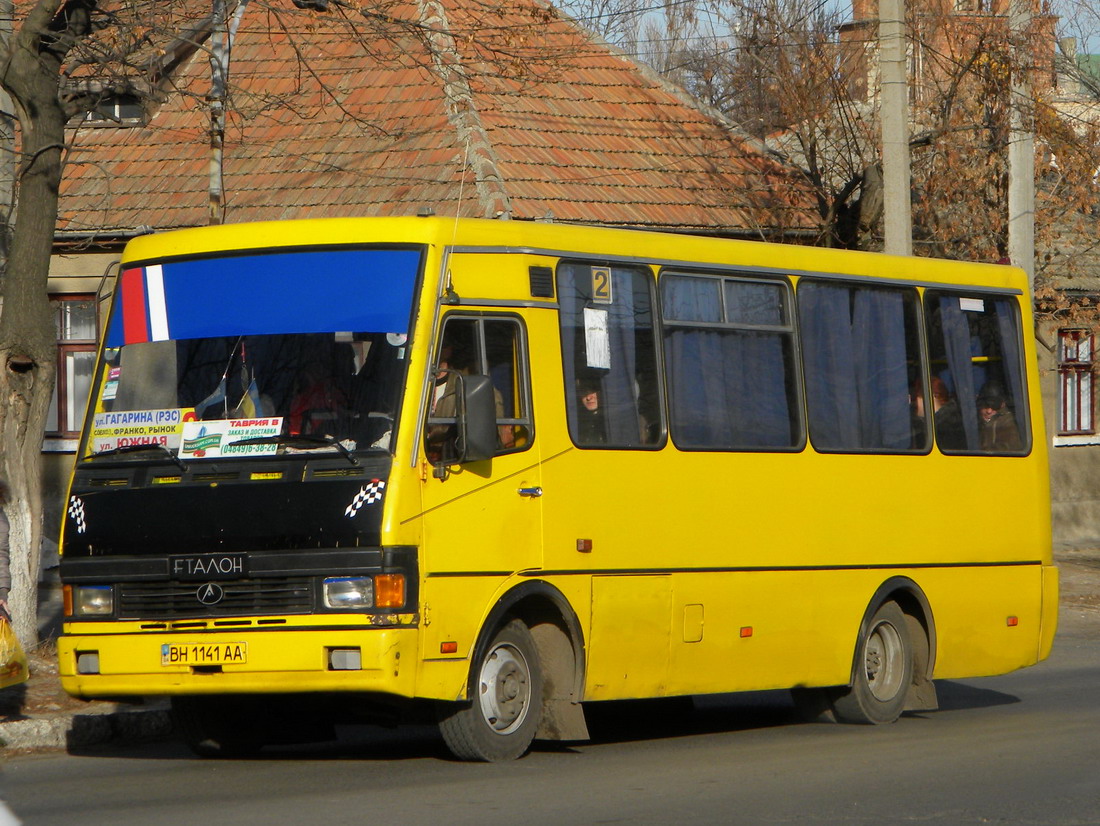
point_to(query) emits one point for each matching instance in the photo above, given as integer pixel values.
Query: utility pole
(1021, 145)
(894, 113)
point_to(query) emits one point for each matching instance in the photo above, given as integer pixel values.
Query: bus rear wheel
(883, 671)
(500, 720)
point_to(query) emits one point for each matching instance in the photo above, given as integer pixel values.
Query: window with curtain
(862, 361)
(76, 330)
(975, 357)
(1075, 399)
(609, 351)
(729, 363)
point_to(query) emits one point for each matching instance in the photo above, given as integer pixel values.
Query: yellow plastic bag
(13, 662)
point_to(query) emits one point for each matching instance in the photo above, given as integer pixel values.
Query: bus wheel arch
(894, 657)
(537, 635)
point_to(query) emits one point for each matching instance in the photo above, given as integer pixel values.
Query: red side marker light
(448, 648)
(584, 546)
(1013, 622)
(746, 631)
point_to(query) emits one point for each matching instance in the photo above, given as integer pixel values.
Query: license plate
(203, 653)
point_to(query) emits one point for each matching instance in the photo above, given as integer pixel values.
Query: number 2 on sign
(601, 285)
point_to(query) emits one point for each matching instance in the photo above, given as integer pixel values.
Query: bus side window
(862, 361)
(975, 351)
(729, 363)
(609, 351)
(487, 346)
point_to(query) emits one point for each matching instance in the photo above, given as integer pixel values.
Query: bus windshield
(317, 389)
(220, 357)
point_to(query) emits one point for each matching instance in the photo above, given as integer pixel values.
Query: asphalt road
(1019, 749)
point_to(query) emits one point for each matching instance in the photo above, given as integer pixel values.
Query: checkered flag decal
(76, 513)
(367, 495)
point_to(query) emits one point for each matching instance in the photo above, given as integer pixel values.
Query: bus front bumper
(121, 664)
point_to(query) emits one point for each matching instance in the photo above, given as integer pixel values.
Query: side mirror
(477, 420)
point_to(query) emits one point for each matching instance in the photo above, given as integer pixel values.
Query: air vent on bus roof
(542, 282)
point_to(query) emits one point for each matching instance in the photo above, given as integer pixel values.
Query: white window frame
(1076, 387)
(59, 436)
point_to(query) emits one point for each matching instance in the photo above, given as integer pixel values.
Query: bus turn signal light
(1013, 622)
(389, 590)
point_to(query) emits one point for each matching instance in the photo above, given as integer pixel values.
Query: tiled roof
(322, 123)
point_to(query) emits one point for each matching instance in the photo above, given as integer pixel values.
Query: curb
(81, 730)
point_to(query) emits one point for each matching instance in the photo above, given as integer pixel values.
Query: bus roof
(484, 235)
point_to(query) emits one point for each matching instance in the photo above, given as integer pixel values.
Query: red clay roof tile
(571, 128)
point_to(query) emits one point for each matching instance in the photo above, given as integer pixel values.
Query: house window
(116, 110)
(75, 321)
(1075, 363)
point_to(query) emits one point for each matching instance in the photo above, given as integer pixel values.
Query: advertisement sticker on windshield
(230, 437)
(128, 428)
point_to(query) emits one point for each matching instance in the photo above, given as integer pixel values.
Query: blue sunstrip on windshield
(317, 291)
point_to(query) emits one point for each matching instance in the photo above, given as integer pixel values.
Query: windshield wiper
(115, 451)
(300, 442)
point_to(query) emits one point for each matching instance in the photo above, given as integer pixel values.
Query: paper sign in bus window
(127, 428)
(597, 345)
(972, 305)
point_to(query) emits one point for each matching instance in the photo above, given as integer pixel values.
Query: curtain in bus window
(878, 329)
(1010, 362)
(728, 388)
(620, 399)
(854, 351)
(829, 358)
(960, 375)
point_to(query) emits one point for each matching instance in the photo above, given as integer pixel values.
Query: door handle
(534, 492)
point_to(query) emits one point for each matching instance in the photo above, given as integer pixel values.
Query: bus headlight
(348, 592)
(93, 600)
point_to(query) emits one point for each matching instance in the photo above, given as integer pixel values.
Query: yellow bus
(491, 471)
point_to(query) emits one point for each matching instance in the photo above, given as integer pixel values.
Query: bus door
(481, 520)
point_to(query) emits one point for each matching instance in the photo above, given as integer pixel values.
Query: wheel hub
(504, 689)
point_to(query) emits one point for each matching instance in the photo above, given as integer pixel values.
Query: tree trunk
(28, 350)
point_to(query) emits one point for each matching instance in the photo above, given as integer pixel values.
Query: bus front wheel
(500, 719)
(883, 671)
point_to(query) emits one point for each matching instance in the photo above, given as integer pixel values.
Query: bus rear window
(976, 377)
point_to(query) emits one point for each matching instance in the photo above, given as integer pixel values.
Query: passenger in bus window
(591, 427)
(317, 404)
(443, 404)
(455, 360)
(997, 425)
(948, 420)
(918, 422)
